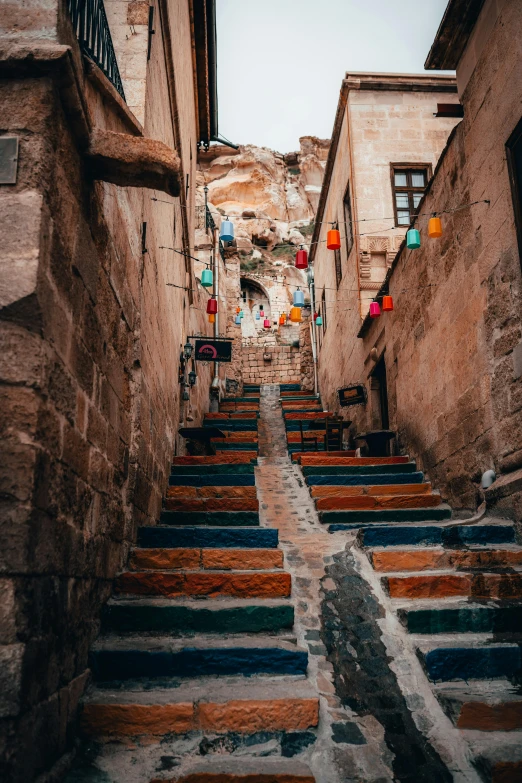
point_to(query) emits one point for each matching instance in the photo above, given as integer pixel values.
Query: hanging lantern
(298, 298)
(434, 227)
(212, 306)
(316, 316)
(258, 317)
(261, 313)
(301, 259)
(192, 377)
(212, 318)
(238, 309)
(318, 321)
(295, 315)
(226, 232)
(207, 278)
(266, 323)
(333, 239)
(241, 314)
(375, 310)
(282, 320)
(413, 239)
(238, 320)
(387, 303)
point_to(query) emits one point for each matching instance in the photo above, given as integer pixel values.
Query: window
(409, 181)
(348, 228)
(514, 157)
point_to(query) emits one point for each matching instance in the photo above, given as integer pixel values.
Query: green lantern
(413, 239)
(318, 321)
(207, 278)
(241, 314)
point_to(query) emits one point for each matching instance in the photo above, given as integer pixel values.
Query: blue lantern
(258, 317)
(226, 232)
(298, 298)
(238, 320)
(413, 239)
(318, 321)
(207, 278)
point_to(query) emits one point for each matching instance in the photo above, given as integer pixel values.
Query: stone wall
(284, 365)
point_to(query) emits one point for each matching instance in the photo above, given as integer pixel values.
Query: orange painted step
(211, 504)
(307, 415)
(237, 435)
(433, 559)
(454, 585)
(241, 716)
(298, 454)
(212, 492)
(221, 559)
(324, 461)
(299, 404)
(242, 458)
(362, 489)
(347, 503)
(480, 716)
(245, 415)
(295, 437)
(229, 407)
(267, 584)
(507, 772)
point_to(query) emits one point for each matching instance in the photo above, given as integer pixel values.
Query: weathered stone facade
(450, 344)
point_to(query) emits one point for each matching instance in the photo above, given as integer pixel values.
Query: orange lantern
(333, 239)
(282, 320)
(434, 228)
(387, 303)
(295, 315)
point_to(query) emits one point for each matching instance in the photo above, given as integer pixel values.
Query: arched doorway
(254, 301)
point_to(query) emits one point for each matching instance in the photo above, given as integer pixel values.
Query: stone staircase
(456, 587)
(196, 674)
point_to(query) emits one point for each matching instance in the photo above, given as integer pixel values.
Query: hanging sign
(213, 351)
(352, 395)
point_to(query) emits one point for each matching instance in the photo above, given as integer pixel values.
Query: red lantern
(301, 259)
(387, 304)
(266, 323)
(375, 310)
(212, 306)
(333, 239)
(315, 316)
(262, 313)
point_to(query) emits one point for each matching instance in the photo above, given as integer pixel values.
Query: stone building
(444, 368)
(98, 148)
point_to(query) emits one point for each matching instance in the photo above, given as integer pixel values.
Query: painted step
(434, 559)
(185, 616)
(212, 479)
(205, 559)
(358, 469)
(308, 425)
(289, 387)
(212, 518)
(237, 436)
(259, 771)
(377, 502)
(234, 425)
(211, 492)
(479, 706)
(211, 504)
(208, 537)
(472, 662)
(498, 756)
(466, 618)
(309, 409)
(353, 461)
(253, 398)
(231, 416)
(363, 479)
(214, 705)
(216, 469)
(242, 584)
(116, 659)
(227, 446)
(295, 438)
(386, 515)
(372, 490)
(297, 454)
(451, 585)
(209, 459)
(428, 535)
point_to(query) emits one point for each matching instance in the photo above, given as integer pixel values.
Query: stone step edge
(202, 559)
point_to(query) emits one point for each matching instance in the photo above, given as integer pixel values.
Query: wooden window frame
(409, 190)
(348, 224)
(515, 183)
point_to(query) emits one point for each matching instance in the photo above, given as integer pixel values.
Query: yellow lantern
(212, 318)
(295, 315)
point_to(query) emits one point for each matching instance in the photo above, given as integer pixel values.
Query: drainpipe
(314, 341)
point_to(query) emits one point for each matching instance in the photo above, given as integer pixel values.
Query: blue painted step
(251, 387)
(233, 425)
(212, 480)
(472, 663)
(464, 619)
(114, 664)
(358, 470)
(292, 425)
(158, 537)
(385, 515)
(240, 399)
(212, 518)
(451, 536)
(242, 446)
(377, 478)
(224, 467)
(289, 387)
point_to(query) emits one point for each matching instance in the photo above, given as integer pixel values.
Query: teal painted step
(464, 619)
(297, 409)
(213, 480)
(289, 387)
(444, 664)
(358, 479)
(357, 470)
(240, 399)
(304, 397)
(212, 518)
(225, 616)
(292, 425)
(450, 536)
(233, 425)
(242, 446)
(251, 387)
(225, 469)
(159, 536)
(386, 515)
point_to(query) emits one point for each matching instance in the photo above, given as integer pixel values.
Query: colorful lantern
(241, 314)
(258, 317)
(282, 319)
(266, 323)
(316, 316)
(262, 313)
(212, 318)
(212, 306)
(434, 227)
(301, 259)
(413, 239)
(318, 321)
(333, 239)
(375, 310)
(238, 320)
(298, 298)
(207, 278)
(387, 303)
(238, 309)
(295, 315)
(226, 232)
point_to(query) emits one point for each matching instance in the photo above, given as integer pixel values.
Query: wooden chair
(333, 436)
(308, 441)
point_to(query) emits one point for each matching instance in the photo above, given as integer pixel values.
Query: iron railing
(94, 36)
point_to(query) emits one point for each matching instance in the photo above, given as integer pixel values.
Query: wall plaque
(213, 351)
(352, 395)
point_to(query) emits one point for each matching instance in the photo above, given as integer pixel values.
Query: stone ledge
(504, 486)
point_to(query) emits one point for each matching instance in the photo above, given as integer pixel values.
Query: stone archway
(254, 298)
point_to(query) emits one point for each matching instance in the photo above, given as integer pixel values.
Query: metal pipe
(314, 339)
(216, 294)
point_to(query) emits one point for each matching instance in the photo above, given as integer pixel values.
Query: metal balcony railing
(94, 36)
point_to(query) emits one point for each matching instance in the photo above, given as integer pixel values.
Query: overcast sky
(281, 62)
